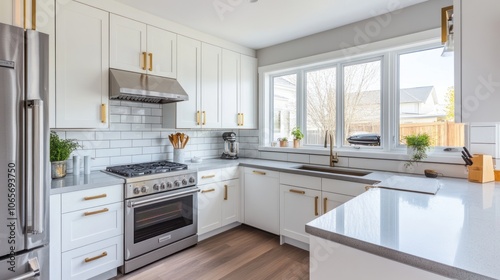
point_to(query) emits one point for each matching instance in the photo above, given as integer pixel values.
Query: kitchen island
(387, 234)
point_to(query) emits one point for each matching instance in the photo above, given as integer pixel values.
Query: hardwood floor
(240, 253)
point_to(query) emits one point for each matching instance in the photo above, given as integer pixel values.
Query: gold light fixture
(447, 31)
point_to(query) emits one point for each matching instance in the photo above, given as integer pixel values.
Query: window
(426, 97)
(321, 104)
(284, 105)
(361, 100)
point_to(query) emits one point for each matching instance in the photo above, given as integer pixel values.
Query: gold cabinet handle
(209, 190)
(150, 61)
(204, 117)
(33, 14)
(242, 119)
(297, 191)
(259, 172)
(197, 117)
(225, 192)
(95, 196)
(144, 60)
(316, 206)
(96, 212)
(208, 176)
(24, 15)
(238, 120)
(325, 201)
(104, 113)
(96, 257)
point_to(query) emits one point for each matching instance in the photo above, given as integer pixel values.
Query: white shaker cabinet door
(230, 201)
(82, 66)
(162, 52)
(128, 44)
(209, 208)
(248, 93)
(230, 89)
(187, 113)
(210, 86)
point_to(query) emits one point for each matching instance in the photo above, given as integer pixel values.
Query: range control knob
(191, 180)
(162, 186)
(136, 191)
(156, 187)
(184, 182)
(177, 183)
(169, 185)
(144, 189)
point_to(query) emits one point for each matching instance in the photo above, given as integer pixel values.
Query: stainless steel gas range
(160, 210)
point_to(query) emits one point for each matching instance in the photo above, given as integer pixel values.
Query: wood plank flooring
(241, 253)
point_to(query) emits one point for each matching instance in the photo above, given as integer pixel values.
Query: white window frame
(386, 48)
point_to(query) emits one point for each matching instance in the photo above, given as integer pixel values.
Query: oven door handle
(134, 204)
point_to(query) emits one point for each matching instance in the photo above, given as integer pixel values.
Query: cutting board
(411, 184)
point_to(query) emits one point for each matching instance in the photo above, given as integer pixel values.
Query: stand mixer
(231, 147)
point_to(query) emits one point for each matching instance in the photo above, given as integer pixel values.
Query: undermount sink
(332, 170)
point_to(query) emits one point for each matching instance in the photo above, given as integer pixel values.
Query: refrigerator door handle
(35, 270)
(35, 167)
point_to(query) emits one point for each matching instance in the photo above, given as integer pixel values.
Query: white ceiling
(266, 22)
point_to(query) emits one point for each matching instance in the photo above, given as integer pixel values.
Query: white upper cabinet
(239, 95)
(477, 76)
(210, 86)
(186, 114)
(81, 66)
(248, 101)
(137, 47)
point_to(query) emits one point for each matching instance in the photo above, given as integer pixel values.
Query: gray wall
(395, 23)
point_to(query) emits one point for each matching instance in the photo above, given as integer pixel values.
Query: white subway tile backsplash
(107, 135)
(151, 150)
(131, 119)
(141, 158)
(95, 144)
(303, 158)
(80, 135)
(274, 156)
(115, 119)
(131, 104)
(141, 111)
(120, 126)
(141, 143)
(151, 119)
(120, 143)
(152, 135)
(154, 106)
(156, 112)
(159, 157)
(131, 135)
(141, 127)
(120, 160)
(108, 152)
(131, 151)
(119, 110)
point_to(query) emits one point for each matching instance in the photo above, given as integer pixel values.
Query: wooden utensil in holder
(481, 170)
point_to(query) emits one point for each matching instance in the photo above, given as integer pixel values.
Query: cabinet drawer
(343, 187)
(83, 227)
(209, 176)
(229, 173)
(263, 172)
(301, 181)
(91, 198)
(92, 260)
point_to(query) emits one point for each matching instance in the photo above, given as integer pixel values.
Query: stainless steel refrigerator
(24, 164)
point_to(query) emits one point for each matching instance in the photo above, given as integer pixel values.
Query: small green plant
(283, 139)
(420, 143)
(297, 134)
(60, 149)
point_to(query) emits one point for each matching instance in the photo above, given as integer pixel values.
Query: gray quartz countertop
(95, 179)
(455, 233)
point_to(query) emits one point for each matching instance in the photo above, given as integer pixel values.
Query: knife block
(481, 170)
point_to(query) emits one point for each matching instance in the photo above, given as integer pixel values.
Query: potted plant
(297, 136)
(417, 145)
(283, 141)
(60, 149)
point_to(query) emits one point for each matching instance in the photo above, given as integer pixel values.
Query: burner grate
(146, 168)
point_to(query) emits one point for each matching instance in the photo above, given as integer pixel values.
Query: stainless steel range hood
(136, 87)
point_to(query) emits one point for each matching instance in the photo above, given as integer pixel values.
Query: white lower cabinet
(298, 207)
(86, 233)
(262, 196)
(333, 200)
(218, 200)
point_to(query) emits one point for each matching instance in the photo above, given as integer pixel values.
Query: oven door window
(162, 217)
